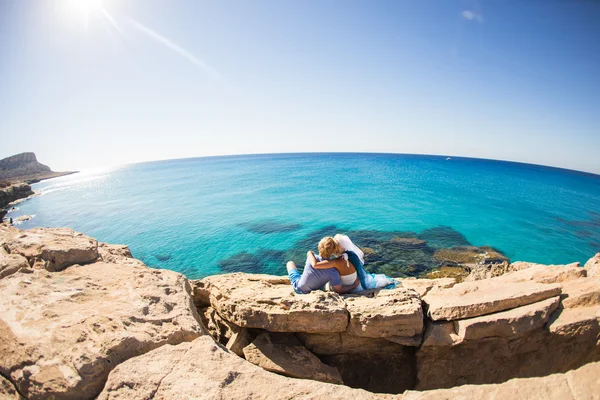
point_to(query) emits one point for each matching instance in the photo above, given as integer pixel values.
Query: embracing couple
(340, 263)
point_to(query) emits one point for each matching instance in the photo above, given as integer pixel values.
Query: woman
(328, 248)
(317, 274)
(353, 269)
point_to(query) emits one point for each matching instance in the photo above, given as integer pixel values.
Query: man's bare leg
(291, 266)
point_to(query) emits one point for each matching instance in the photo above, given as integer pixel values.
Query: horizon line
(593, 174)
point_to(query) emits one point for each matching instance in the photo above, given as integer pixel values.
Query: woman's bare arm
(336, 263)
(345, 289)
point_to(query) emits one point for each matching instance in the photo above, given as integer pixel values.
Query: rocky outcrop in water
(81, 320)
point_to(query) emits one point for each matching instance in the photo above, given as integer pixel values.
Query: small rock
(472, 299)
(11, 263)
(576, 322)
(290, 360)
(517, 321)
(239, 340)
(583, 292)
(440, 333)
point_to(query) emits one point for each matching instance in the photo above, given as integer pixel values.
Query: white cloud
(472, 16)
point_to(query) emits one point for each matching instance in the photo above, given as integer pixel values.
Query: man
(316, 278)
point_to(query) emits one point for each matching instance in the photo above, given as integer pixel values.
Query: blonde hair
(328, 246)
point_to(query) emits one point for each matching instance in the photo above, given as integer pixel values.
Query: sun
(84, 8)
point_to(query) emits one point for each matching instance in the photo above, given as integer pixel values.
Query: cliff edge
(81, 319)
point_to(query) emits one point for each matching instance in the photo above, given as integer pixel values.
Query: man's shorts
(294, 278)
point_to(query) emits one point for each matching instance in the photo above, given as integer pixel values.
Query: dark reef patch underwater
(395, 253)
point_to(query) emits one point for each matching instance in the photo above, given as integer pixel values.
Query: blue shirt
(315, 279)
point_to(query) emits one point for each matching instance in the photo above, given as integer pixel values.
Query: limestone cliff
(10, 193)
(81, 319)
(427, 334)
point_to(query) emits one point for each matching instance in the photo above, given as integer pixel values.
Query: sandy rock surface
(440, 333)
(203, 370)
(61, 333)
(584, 292)
(423, 286)
(546, 273)
(117, 253)
(570, 341)
(239, 340)
(472, 299)
(51, 249)
(286, 356)
(395, 312)
(593, 266)
(7, 390)
(74, 313)
(269, 302)
(517, 321)
(576, 322)
(580, 384)
(218, 327)
(11, 263)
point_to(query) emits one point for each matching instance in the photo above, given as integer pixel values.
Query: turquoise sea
(211, 215)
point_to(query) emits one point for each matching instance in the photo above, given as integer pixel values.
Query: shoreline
(14, 191)
(36, 178)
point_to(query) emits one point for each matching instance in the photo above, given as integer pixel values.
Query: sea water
(211, 215)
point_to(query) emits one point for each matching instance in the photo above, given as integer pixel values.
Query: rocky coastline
(81, 319)
(13, 192)
(17, 173)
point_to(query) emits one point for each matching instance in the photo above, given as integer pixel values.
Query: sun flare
(83, 9)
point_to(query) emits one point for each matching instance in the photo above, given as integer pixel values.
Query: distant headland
(24, 167)
(17, 173)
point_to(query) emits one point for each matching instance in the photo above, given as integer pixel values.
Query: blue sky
(88, 83)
